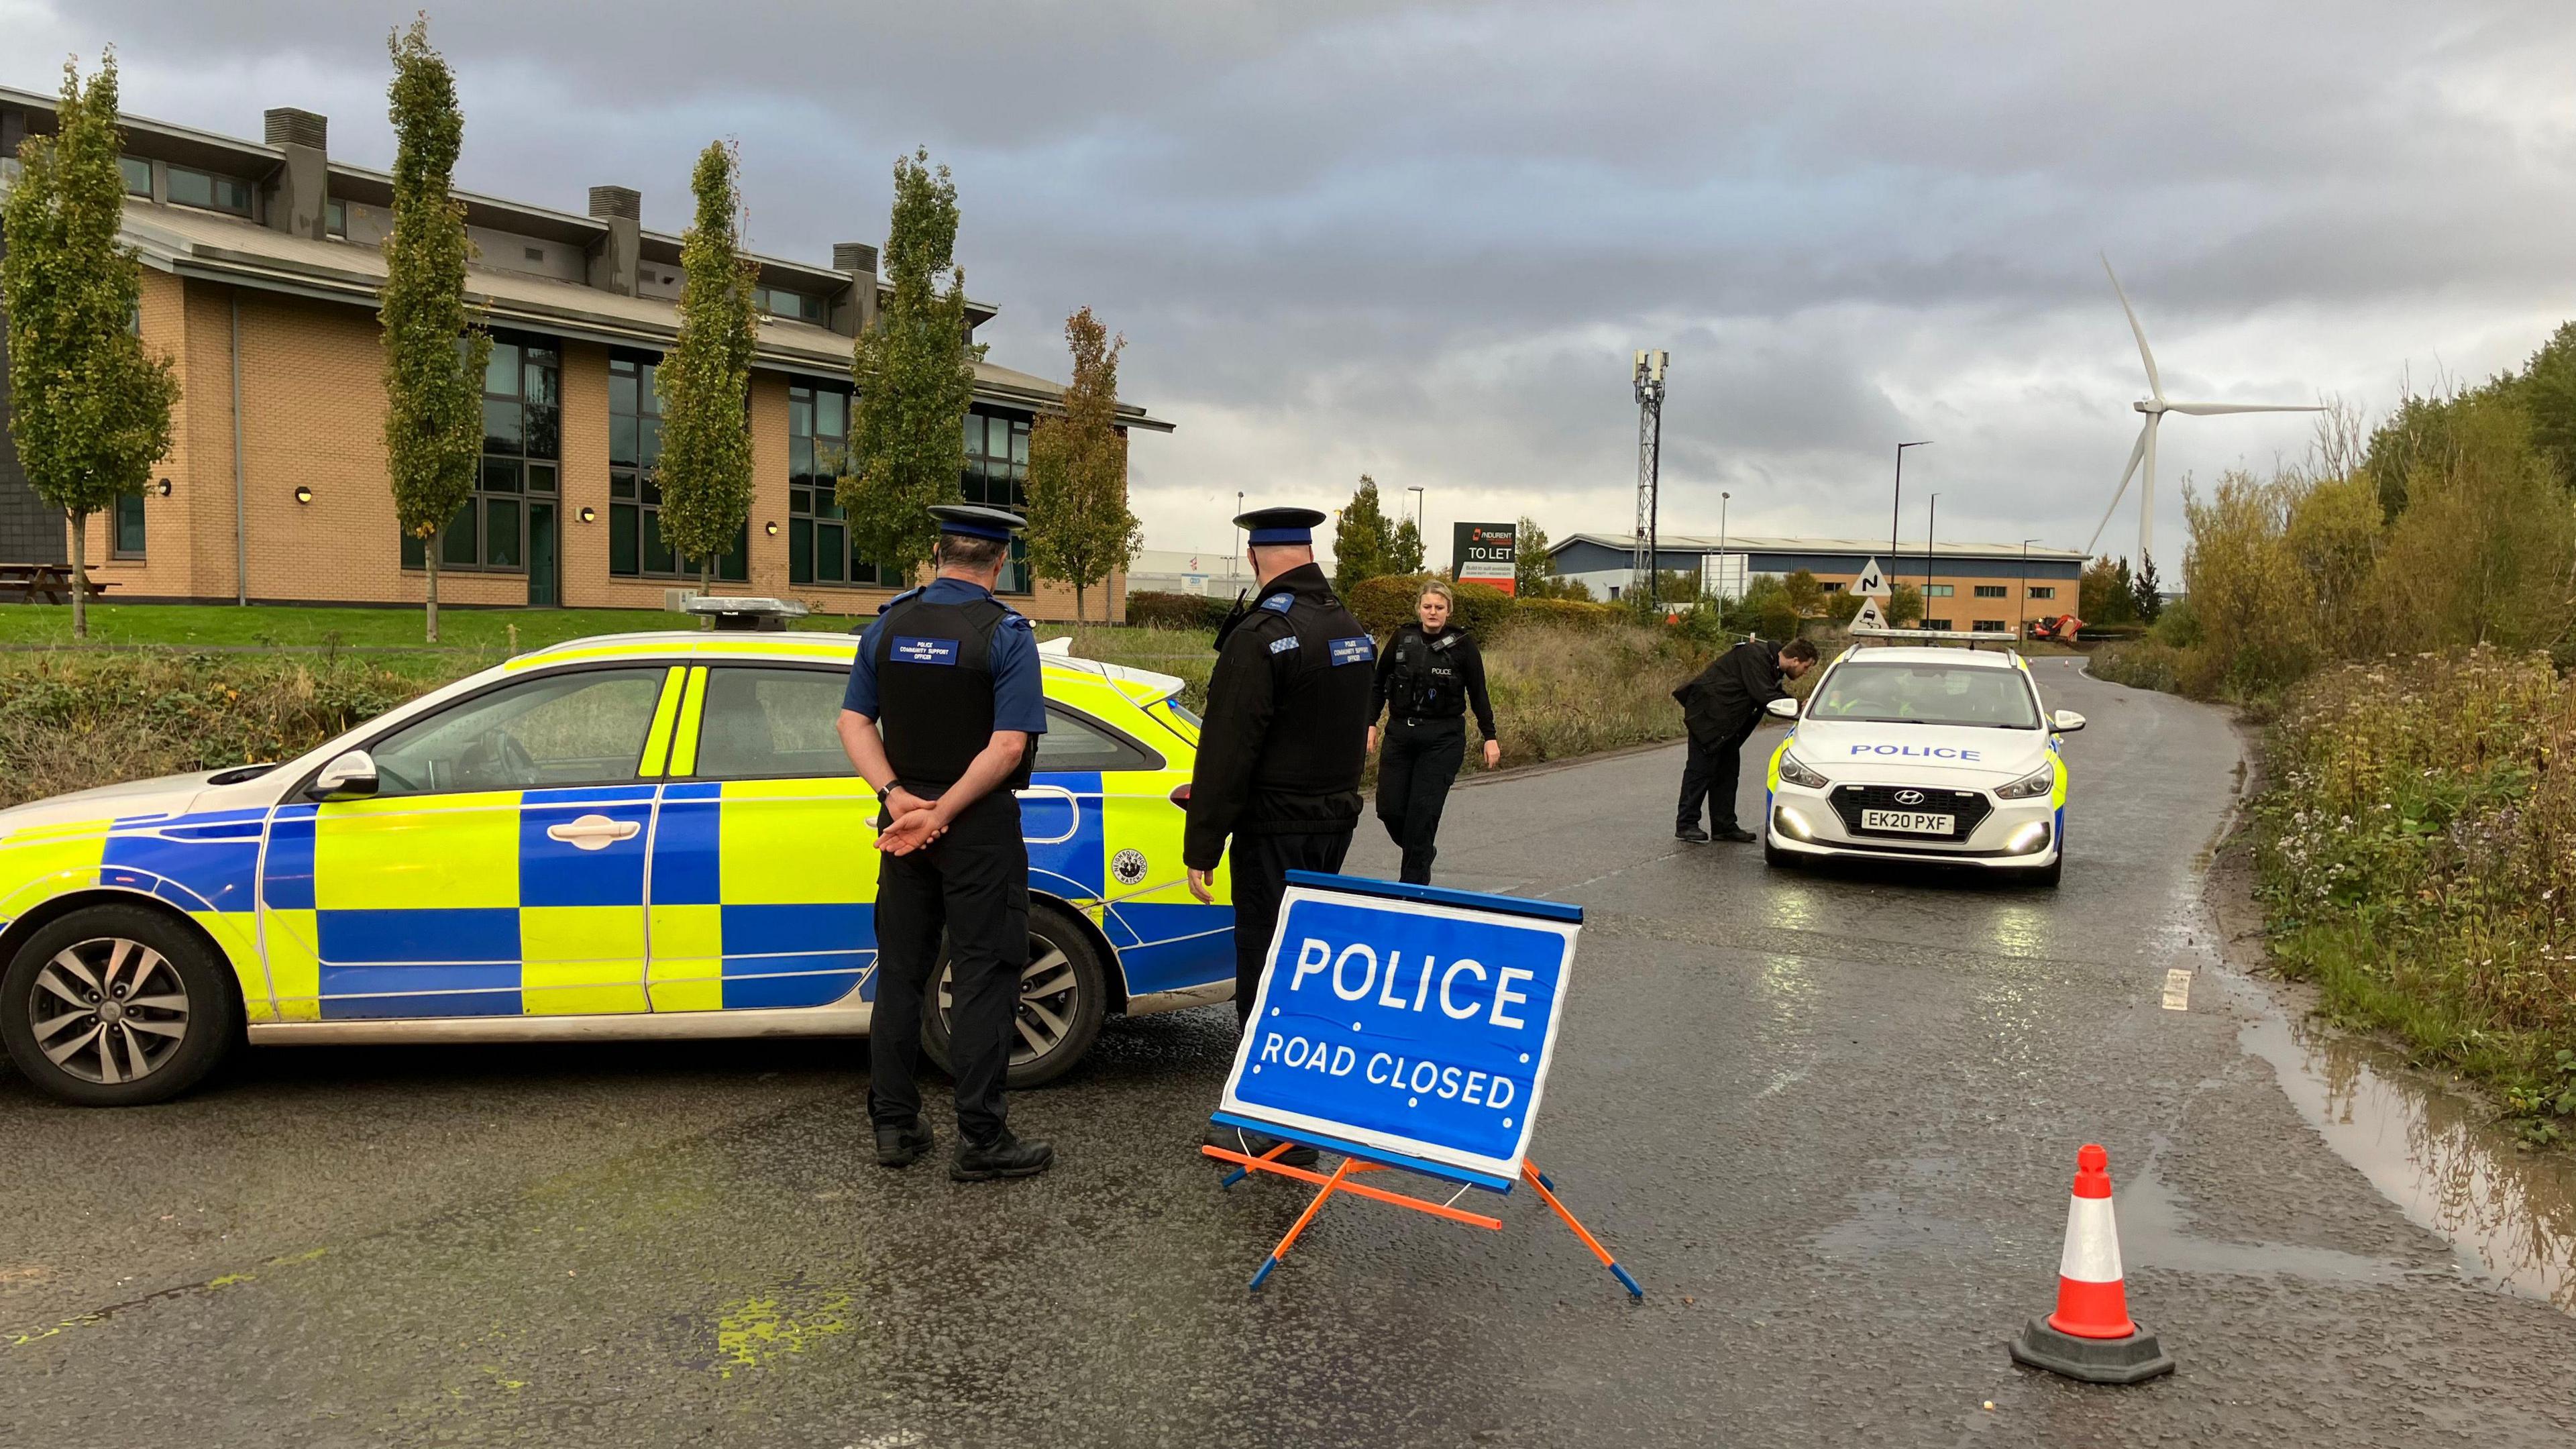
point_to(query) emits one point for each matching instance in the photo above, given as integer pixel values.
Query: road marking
(2177, 989)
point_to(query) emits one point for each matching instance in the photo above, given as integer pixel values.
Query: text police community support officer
(945, 706)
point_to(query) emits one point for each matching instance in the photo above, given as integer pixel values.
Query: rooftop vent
(854, 257)
(617, 201)
(288, 126)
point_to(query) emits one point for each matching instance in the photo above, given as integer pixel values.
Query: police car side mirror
(348, 777)
(2066, 721)
(1785, 708)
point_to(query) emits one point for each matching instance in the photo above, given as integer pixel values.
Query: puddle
(2510, 1217)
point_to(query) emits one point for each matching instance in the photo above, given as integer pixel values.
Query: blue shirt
(1019, 691)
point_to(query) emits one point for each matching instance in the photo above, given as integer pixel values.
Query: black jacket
(1286, 732)
(1423, 677)
(1727, 697)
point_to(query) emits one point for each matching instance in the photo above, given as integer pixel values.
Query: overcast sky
(1421, 240)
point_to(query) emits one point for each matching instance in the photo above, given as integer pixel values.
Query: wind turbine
(2155, 406)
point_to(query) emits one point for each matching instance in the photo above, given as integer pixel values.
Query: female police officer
(1428, 674)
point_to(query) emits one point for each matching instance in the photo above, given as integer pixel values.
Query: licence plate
(1910, 822)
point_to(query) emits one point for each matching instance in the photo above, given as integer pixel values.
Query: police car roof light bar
(736, 614)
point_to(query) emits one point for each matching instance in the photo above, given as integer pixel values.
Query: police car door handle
(593, 832)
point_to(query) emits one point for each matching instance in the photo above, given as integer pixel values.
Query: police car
(1923, 754)
(633, 837)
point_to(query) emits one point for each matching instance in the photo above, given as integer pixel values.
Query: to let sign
(1410, 1024)
(1486, 553)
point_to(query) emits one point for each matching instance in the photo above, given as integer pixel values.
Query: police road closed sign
(1410, 1024)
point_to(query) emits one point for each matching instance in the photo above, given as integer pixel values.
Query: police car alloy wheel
(115, 1006)
(1063, 995)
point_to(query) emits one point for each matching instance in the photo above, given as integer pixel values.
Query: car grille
(1969, 808)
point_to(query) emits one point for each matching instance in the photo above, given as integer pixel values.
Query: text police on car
(942, 716)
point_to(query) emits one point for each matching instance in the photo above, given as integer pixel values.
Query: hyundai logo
(1909, 797)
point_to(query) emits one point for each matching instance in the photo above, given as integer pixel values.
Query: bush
(1154, 609)
(1384, 603)
(1569, 613)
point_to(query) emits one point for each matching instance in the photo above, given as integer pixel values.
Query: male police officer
(950, 676)
(1284, 740)
(1721, 707)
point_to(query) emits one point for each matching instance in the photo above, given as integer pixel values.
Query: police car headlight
(2031, 786)
(1797, 774)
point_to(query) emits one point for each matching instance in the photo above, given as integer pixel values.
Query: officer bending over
(1721, 708)
(1428, 675)
(943, 713)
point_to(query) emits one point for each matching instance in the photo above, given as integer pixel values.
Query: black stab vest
(935, 691)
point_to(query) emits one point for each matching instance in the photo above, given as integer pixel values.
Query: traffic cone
(2090, 1336)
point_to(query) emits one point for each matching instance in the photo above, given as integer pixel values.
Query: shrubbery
(1385, 602)
(1151, 609)
(2418, 860)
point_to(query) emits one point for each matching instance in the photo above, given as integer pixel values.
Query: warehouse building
(261, 273)
(1982, 586)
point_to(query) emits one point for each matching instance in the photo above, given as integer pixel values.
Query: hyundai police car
(640, 836)
(1925, 754)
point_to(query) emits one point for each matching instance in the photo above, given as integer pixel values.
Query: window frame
(123, 163)
(215, 183)
(1153, 759)
(481, 504)
(1990, 626)
(1938, 625)
(335, 218)
(641, 504)
(976, 475)
(812, 504)
(381, 730)
(116, 549)
(706, 694)
(2043, 591)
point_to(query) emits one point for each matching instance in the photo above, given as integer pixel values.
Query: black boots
(902, 1146)
(1004, 1156)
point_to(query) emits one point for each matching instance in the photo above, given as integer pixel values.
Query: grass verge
(2415, 858)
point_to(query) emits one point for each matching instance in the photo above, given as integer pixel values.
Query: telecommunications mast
(1649, 379)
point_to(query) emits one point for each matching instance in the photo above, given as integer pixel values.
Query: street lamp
(1721, 542)
(1238, 535)
(1930, 526)
(1898, 501)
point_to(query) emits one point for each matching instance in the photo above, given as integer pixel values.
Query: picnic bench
(26, 583)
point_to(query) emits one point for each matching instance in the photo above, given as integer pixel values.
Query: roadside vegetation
(2398, 608)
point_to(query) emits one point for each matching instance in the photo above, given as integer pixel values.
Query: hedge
(1385, 603)
(1150, 608)
(1573, 613)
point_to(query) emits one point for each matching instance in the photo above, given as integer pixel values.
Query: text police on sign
(1410, 1024)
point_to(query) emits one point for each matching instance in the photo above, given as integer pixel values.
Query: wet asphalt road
(1829, 1121)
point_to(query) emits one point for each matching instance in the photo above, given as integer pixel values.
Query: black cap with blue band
(974, 521)
(1272, 527)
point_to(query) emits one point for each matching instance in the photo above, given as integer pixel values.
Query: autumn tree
(90, 405)
(1080, 527)
(915, 379)
(435, 349)
(705, 379)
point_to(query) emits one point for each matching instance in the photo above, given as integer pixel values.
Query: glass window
(2043, 591)
(1941, 624)
(522, 381)
(129, 526)
(769, 723)
(635, 546)
(335, 218)
(583, 728)
(1993, 626)
(1939, 591)
(996, 474)
(1991, 591)
(1073, 743)
(818, 533)
(138, 175)
(1927, 694)
(191, 187)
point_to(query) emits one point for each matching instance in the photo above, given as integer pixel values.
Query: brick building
(1989, 587)
(261, 273)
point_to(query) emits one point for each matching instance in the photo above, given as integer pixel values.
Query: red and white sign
(1486, 553)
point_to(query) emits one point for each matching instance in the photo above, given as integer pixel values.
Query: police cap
(975, 521)
(1266, 527)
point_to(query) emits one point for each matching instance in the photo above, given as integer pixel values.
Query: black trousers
(972, 884)
(1708, 778)
(1260, 866)
(1417, 761)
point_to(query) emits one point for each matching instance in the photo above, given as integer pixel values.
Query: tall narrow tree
(90, 405)
(914, 377)
(1080, 528)
(435, 349)
(1404, 548)
(705, 381)
(1362, 539)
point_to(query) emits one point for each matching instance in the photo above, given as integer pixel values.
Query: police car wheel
(1063, 995)
(116, 1006)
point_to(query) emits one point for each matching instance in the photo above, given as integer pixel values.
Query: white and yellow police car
(639, 836)
(1922, 754)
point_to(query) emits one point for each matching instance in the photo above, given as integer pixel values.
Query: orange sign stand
(1341, 1181)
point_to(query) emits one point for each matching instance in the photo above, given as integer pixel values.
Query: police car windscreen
(1931, 694)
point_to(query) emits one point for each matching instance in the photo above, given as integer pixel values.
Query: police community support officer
(1428, 676)
(1721, 707)
(943, 715)
(1285, 737)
